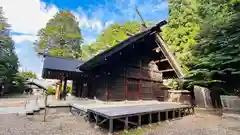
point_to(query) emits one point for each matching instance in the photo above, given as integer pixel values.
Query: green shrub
(69, 89)
(51, 91)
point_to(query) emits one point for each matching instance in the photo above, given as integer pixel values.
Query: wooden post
(159, 117)
(179, 113)
(110, 126)
(188, 110)
(139, 121)
(173, 114)
(64, 88)
(166, 115)
(126, 124)
(193, 111)
(150, 119)
(45, 108)
(89, 116)
(58, 90)
(96, 126)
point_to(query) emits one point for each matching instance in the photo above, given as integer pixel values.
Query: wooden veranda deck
(135, 115)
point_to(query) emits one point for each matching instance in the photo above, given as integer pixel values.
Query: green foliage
(216, 56)
(28, 75)
(8, 58)
(18, 85)
(69, 89)
(182, 28)
(51, 91)
(86, 52)
(113, 35)
(61, 36)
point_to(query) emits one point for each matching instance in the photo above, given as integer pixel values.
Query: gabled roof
(99, 59)
(60, 63)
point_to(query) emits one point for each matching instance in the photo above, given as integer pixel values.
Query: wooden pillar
(58, 89)
(89, 116)
(126, 124)
(110, 126)
(96, 126)
(173, 114)
(57, 92)
(125, 84)
(184, 110)
(139, 121)
(179, 113)
(150, 118)
(159, 117)
(166, 115)
(64, 88)
(140, 81)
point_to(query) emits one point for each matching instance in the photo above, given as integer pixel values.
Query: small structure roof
(60, 63)
(54, 67)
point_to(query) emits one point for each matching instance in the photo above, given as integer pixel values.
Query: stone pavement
(35, 103)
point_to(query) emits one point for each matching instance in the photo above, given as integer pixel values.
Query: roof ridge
(60, 57)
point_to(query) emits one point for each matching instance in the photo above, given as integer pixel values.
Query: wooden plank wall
(134, 76)
(129, 82)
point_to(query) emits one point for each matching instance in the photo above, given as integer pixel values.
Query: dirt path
(199, 124)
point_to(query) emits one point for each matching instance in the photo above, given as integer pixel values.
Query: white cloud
(20, 38)
(17, 51)
(27, 16)
(86, 22)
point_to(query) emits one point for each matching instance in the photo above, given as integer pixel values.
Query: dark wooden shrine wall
(131, 75)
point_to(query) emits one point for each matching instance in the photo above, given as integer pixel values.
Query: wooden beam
(162, 60)
(167, 70)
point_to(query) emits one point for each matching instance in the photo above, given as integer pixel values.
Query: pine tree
(8, 58)
(61, 36)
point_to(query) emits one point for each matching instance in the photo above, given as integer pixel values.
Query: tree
(113, 35)
(8, 58)
(216, 56)
(28, 75)
(182, 28)
(61, 36)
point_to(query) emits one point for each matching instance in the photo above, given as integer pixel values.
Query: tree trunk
(5, 87)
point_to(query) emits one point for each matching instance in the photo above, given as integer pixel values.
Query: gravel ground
(57, 124)
(66, 124)
(199, 124)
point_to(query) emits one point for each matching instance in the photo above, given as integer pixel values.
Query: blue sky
(28, 16)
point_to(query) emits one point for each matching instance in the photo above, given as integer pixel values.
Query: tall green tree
(216, 56)
(182, 28)
(61, 36)
(113, 35)
(8, 58)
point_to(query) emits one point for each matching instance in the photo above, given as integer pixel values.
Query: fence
(230, 103)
